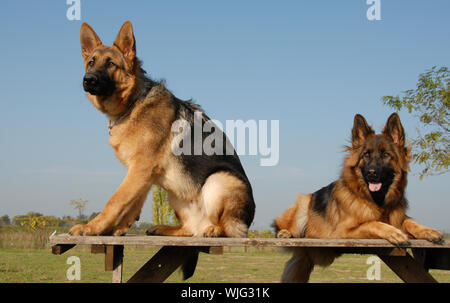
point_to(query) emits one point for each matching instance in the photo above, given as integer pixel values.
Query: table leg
(408, 269)
(162, 264)
(114, 261)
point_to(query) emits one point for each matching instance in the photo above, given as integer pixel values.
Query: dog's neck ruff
(114, 120)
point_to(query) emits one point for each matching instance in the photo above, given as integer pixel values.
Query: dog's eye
(386, 155)
(366, 155)
(111, 64)
(91, 62)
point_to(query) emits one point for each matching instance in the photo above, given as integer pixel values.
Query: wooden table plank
(257, 242)
(59, 249)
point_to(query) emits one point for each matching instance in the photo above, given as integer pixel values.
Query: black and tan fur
(367, 201)
(211, 195)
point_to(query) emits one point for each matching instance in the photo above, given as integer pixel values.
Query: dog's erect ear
(361, 130)
(394, 130)
(89, 40)
(125, 41)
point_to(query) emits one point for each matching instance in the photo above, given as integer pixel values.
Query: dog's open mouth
(374, 187)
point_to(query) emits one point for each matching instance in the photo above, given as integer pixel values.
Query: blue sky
(312, 65)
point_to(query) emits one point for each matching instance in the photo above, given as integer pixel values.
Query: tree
(4, 220)
(79, 205)
(68, 221)
(430, 103)
(162, 213)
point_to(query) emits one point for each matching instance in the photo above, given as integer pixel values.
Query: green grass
(39, 265)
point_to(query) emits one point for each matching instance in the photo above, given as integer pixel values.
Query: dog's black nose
(372, 174)
(90, 80)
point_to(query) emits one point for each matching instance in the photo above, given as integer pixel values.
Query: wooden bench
(175, 250)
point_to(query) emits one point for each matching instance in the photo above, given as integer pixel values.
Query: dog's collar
(114, 120)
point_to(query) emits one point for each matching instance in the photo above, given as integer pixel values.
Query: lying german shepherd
(210, 194)
(367, 201)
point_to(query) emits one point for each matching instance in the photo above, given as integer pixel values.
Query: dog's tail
(188, 267)
(293, 224)
(298, 268)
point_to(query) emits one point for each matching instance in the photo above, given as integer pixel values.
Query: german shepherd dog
(367, 201)
(210, 194)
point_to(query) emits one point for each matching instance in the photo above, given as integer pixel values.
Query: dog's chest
(122, 145)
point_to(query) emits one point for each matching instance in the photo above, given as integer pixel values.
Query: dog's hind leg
(167, 230)
(220, 211)
(225, 200)
(186, 211)
(298, 268)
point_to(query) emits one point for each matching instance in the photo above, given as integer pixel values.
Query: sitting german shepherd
(367, 201)
(210, 194)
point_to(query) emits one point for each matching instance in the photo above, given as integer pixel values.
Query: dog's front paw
(81, 230)
(284, 233)
(430, 234)
(397, 237)
(212, 231)
(89, 229)
(119, 231)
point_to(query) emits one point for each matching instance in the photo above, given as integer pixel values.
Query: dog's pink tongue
(375, 186)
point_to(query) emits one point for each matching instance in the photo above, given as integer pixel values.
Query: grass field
(39, 265)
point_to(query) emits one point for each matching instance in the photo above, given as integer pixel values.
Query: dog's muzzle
(96, 84)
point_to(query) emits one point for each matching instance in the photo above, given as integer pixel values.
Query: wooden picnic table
(175, 250)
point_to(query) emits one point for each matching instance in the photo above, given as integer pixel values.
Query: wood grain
(258, 242)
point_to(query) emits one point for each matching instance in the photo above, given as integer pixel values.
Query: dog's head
(380, 161)
(110, 70)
